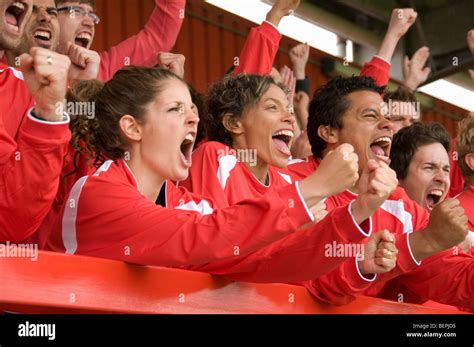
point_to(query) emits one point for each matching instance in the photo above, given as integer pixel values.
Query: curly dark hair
(128, 92)
(232, 95)
(407, 140)
(330, 102)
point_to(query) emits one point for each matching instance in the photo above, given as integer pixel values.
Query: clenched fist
(375, 185)
(402, 19)
(85, 63)
(280, 9)
(380, 254)
(45, 74)
(172, 62)
(448, 224)
(448, 227)
(336, 172)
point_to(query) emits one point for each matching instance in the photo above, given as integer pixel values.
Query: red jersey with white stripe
(430, 280)
(31, 157)
(69, 175)
(218, 172)
(107, 216)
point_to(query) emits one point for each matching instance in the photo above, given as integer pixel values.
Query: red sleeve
(378, 69)
(116, 219)
(345, 282)
(300, 169)
(457, 181)
(158, 35)
(297, 257)
(340, 286)
(447, 277)
(30, 176)
(259, 50)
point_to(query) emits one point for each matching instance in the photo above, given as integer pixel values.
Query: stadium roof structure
(441, 25)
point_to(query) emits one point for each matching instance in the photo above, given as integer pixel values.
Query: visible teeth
(189, 137)
(288, 133)
(383, 139)
(436, 192)
(14, 27)
(84, 36)
(19, 5)
(43, 34)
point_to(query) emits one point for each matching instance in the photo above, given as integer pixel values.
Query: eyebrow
(274, 100)
(46, 8)
(370, 110)
(447, 166)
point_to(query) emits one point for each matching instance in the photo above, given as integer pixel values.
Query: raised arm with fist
(401, 20)
(280, 9)
(46, 74)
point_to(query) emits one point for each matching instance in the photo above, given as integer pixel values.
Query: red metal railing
(57, 283)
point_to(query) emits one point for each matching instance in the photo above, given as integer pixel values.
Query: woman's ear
(232, 124)
(328, 134)
(130, 128)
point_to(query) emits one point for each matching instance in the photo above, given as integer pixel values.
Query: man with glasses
(78, 19)
(66, 26)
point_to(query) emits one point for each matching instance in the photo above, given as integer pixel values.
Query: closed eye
(371, 115)
(272, 107)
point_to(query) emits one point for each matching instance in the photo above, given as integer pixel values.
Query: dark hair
(232, 95)
(400, 94)
(198, 100)
(465, 145)
(128, 92)
(87, 2)
(407, 140)
(330, 102)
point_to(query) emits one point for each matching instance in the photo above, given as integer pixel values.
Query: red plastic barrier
(57, 283)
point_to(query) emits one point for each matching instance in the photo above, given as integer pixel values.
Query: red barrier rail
(57, 283)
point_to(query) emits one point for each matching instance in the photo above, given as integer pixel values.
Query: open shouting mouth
(380, 148)
(282, 141)
(14, 16)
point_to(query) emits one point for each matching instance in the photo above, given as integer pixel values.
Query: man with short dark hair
(419, 156)
(349, 110)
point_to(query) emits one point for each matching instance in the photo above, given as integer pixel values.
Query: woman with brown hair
(143, 133)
